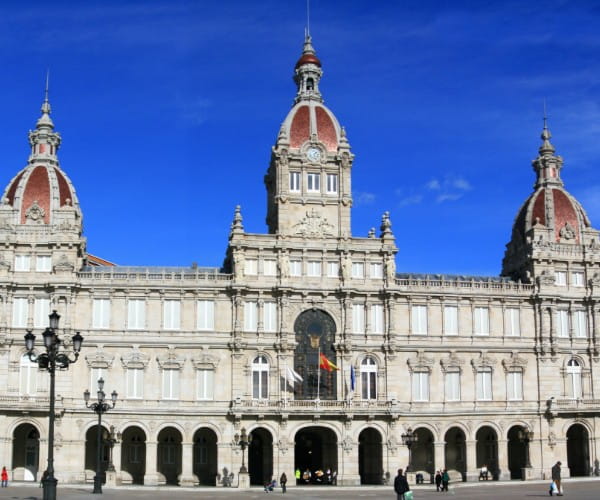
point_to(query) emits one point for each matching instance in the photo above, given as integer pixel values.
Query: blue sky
(168, 110)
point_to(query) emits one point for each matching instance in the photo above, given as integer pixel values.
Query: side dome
(312, 120)
(37, 191)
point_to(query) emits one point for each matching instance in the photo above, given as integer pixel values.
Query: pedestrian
(556, 479)
(445, 480)
(401, 485)
(306, 476)
(283, 481)
(297, 473)
(44, 477)
(438, 480)
(4, 477)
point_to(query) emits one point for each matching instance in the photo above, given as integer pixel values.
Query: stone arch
(434, 431)
(136, 423)
(204, 456)
(91, 449)
(466, 431)
(133, 451)
(169, 453)
(578, 449)
(368, 354)
(487, 423)
(486, 437)
(455, 450)
(25, 420)
(165, 425)
(25, 452)
(260, 455)
(327, 425)
(422, 454)
(370, 455)
(315, 334)
(296, 309)
(517, 450)
(316, 451)
(208, 425)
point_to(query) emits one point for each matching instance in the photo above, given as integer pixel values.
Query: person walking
(438, 480)
(445, 480)
(283, 482)
(298, 474)
(401, 485)
(556, 479)
(4, 477)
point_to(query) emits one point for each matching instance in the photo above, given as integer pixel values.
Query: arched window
(310, 84)
(260, 378)
(27, 376)
(368, 378)
(573, 388)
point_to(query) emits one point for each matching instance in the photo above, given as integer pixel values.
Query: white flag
(293, 376)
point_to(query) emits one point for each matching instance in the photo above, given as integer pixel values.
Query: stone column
(503, 471)
(187, 464)
(472, 471)
(151, 476)
(439, 455)
(284, 462)
(348, 464)
(116, 459)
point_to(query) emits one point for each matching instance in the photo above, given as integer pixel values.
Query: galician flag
(326, 365)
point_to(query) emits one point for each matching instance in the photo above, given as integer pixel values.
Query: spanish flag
(325, 364)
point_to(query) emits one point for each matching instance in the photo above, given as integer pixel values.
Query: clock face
(313, 154)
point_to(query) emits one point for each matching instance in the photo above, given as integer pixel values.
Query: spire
(308, 72)
(547, 165)
(43, 140)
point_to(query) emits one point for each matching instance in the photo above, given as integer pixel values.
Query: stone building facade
(483, 370)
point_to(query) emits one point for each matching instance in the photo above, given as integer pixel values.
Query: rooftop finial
(45, 119)
(546, 146)
(307, 34)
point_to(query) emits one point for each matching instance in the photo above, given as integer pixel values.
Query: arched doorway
(370, 457)
(422, 454)
(315, 333)
(578, 451)
(133, 453)
(205, 456)
(456, 451)
(26, 453)
(169, 455)
(260, 457)
(316, 449)
(517, 452)
(487, 450)
(91, 451)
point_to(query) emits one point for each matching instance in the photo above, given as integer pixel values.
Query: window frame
(260, 377)
(368, 378)
(313, 182)
(295, 184)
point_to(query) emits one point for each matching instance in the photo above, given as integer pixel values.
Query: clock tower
(308, 181)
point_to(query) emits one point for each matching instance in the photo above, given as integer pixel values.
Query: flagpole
(319, 373)
(285, 388)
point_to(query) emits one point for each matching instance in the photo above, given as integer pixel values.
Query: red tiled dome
(308, 59)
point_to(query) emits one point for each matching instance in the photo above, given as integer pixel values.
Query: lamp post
(50, 360)
(243, 440)
(408, 439)
(99, 407)
(525, 436)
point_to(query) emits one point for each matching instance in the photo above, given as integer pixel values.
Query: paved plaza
(579, 489)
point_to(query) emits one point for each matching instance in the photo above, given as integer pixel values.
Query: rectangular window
(332, 183)
(313, 183)
(377, 318)
(21, 262)
(135, 383)
(562, 323)
(577, 278)
(450, 320)
(481, 321)
(376, 270)
(95, 375)
(515, 386)
(205, 384)
(333, 269)
(295, 181)
(269, 267)
(420, 387)
(172, 314)
(579, 324)
(368, 382)
(206, 315)
(453, 386)
(41, 310)
(484, 384)
(20, 312)
(513, 327)
(270, 317)
(250, 316)
(43, 263)
(358, 270)
(251, 267)
(418, 318)
(170, 384)
(295, 267)
(313, 268)
(358, 318)
(136, 314)
(101, 313)
(560, 278)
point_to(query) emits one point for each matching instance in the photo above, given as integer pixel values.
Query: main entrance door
(578, 454)
(260, 457)
(316, 450)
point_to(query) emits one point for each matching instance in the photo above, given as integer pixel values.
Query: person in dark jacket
(445, 480)
(438, 481)
(556, 478)
(401, 485)
(283, 482)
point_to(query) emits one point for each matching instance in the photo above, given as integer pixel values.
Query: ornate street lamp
(243, 440)
(525, 436)
(54, 358)
(408, 439)
(99, 407)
